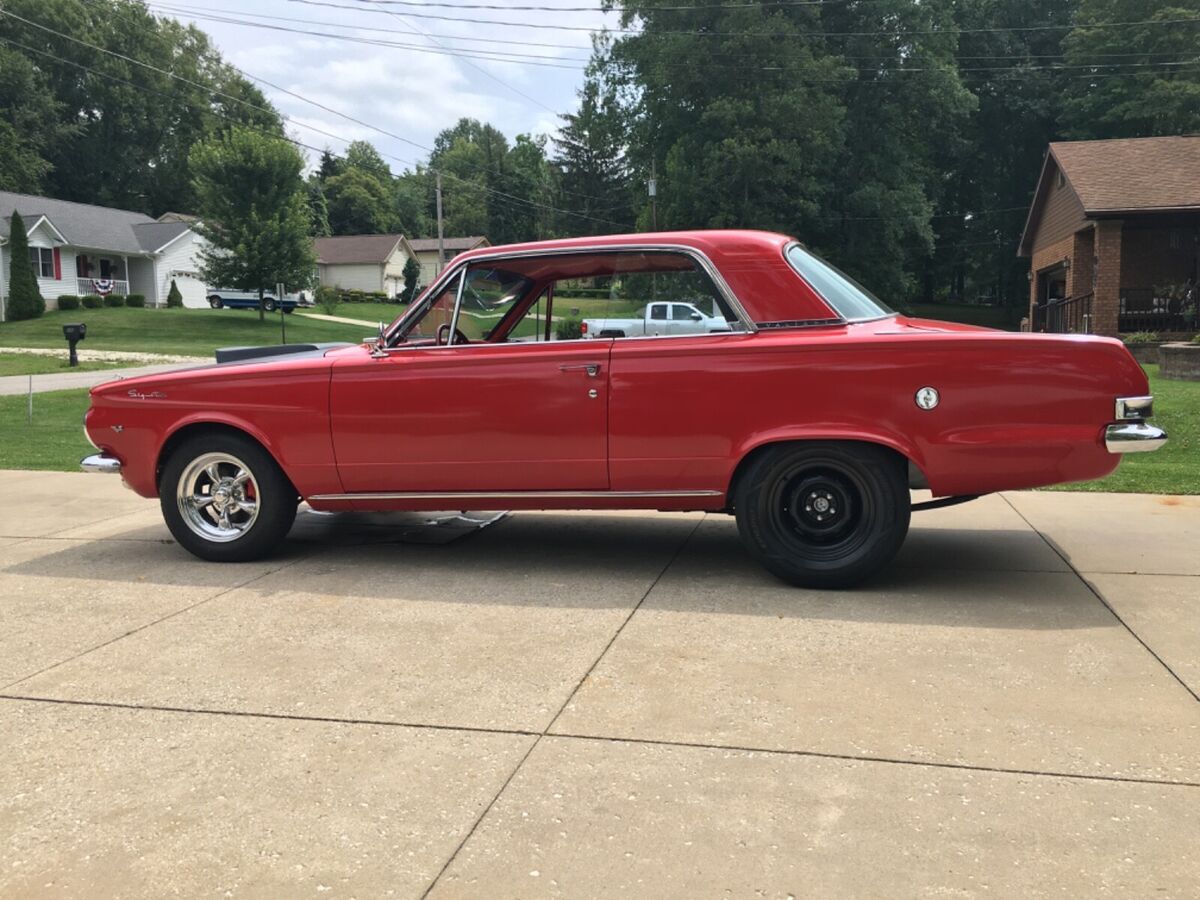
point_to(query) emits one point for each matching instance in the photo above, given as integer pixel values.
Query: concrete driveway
(597, 706)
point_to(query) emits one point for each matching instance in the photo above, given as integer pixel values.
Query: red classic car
(809, 414)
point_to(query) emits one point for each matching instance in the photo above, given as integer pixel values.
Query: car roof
(751, 262)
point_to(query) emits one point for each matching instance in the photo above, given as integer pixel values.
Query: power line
(209, 88)
(365, 6)
(527, 59)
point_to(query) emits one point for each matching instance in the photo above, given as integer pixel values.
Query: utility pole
(441, 252)
(653, 188)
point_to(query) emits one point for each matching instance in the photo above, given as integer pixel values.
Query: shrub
(68, 301)
(568, 329)
(1142, 337)
(1196, 339)
(327, 299)
(136, 300)
(112, 301)
(24, 297)
(355, 296)
(92, 301)
(174, 297)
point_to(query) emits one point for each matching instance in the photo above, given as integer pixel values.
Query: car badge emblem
(118, 428)
(153, 395)
(927, 398)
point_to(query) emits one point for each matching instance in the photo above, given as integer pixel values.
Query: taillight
(583, 327)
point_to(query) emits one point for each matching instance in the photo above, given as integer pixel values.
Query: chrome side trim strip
(1133, 437)
(98, 462)
(516, 495)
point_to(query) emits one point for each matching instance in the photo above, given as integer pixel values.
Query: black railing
(1070, 315)
(1145, 309)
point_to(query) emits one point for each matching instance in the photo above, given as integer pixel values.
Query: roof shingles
(1132, 174)
(90, 227)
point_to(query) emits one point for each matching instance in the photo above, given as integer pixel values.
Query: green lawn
(185, 332)
(54, 440)
(373, 313)
(30, 364)
(1175, 469)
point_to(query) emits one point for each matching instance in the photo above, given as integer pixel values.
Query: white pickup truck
(657, 319)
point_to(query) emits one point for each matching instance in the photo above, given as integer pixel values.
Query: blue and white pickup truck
(225, 298)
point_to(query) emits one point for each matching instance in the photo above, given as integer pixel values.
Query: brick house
(1113, 236)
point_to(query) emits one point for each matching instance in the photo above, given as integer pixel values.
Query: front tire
(269, 305)
(824, 514)
(225, 499)
(215, 302)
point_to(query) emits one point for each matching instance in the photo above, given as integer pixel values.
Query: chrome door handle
(592, 369)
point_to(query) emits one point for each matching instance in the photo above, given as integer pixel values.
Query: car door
(685, 319)
(473, 418)
(658, 320)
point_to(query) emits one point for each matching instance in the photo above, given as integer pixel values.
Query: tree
(174, 296)
(363, 156)
(412, 278)
(329, 166)
(318, 207)
(1153, 94)
(31, 121)
(591, 156)
(358, 203)
(254, 212)
(24, 299)
(120, 133)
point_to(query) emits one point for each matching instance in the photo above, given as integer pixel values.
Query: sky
(409, 93)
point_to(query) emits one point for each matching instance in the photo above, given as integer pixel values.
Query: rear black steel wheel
(823, 514)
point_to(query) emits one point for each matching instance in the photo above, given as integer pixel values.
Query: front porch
(1118, 277)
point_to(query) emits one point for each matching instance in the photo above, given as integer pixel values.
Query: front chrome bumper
(99, 462)
(1133, 437)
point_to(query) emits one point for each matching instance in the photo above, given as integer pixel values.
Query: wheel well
(190, 431)
(916, 477)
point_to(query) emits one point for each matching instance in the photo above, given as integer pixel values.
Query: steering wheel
(443, 333)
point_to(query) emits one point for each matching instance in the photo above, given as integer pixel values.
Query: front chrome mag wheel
(218, 497)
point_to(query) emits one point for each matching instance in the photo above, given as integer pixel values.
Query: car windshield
(849, 299)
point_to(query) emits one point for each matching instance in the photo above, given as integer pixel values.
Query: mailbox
(74, 333)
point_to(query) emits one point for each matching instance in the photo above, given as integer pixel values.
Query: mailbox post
(74, 333)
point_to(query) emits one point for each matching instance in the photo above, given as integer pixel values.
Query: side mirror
(696, 317)
(378, 343)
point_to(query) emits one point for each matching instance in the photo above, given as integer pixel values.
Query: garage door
(194, 292)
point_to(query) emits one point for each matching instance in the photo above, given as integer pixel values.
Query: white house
(78, 249)
(427, 255)
(363, 262)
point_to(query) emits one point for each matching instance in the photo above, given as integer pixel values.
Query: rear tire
(269, 305)
(215, 302)
(225, 499)
(824, 514)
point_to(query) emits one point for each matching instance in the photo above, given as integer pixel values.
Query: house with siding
(1113, 237)
(427, 252)
(77, 248)
(372, 263)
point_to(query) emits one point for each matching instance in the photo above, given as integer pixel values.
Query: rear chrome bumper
(1133, 437)
(99, 462)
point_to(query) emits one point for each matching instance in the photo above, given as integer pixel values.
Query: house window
(42, 260)
(1062, 178)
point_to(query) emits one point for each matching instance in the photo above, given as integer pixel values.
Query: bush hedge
(68, 301)
(174, 296)
(91, 301)
(136, 300)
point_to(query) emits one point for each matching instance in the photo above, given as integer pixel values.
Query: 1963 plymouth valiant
(809, 418)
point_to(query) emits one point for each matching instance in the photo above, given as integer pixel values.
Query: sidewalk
(345, 321)
(66, 380)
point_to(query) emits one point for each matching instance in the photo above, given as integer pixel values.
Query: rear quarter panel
(1016, 410)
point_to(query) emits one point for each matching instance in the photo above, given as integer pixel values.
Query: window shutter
(57, 264)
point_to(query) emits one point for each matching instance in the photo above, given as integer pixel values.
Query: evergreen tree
(318, 207)
(412, 279)
(24, 298)
(254, 212)
(329, 166)
(174, 296)
(591, 156)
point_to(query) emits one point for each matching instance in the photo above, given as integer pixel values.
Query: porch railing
(1070, 315)
(84, 286)
(1145, 309)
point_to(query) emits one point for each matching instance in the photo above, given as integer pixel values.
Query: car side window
(681, 312)
(658, 311)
